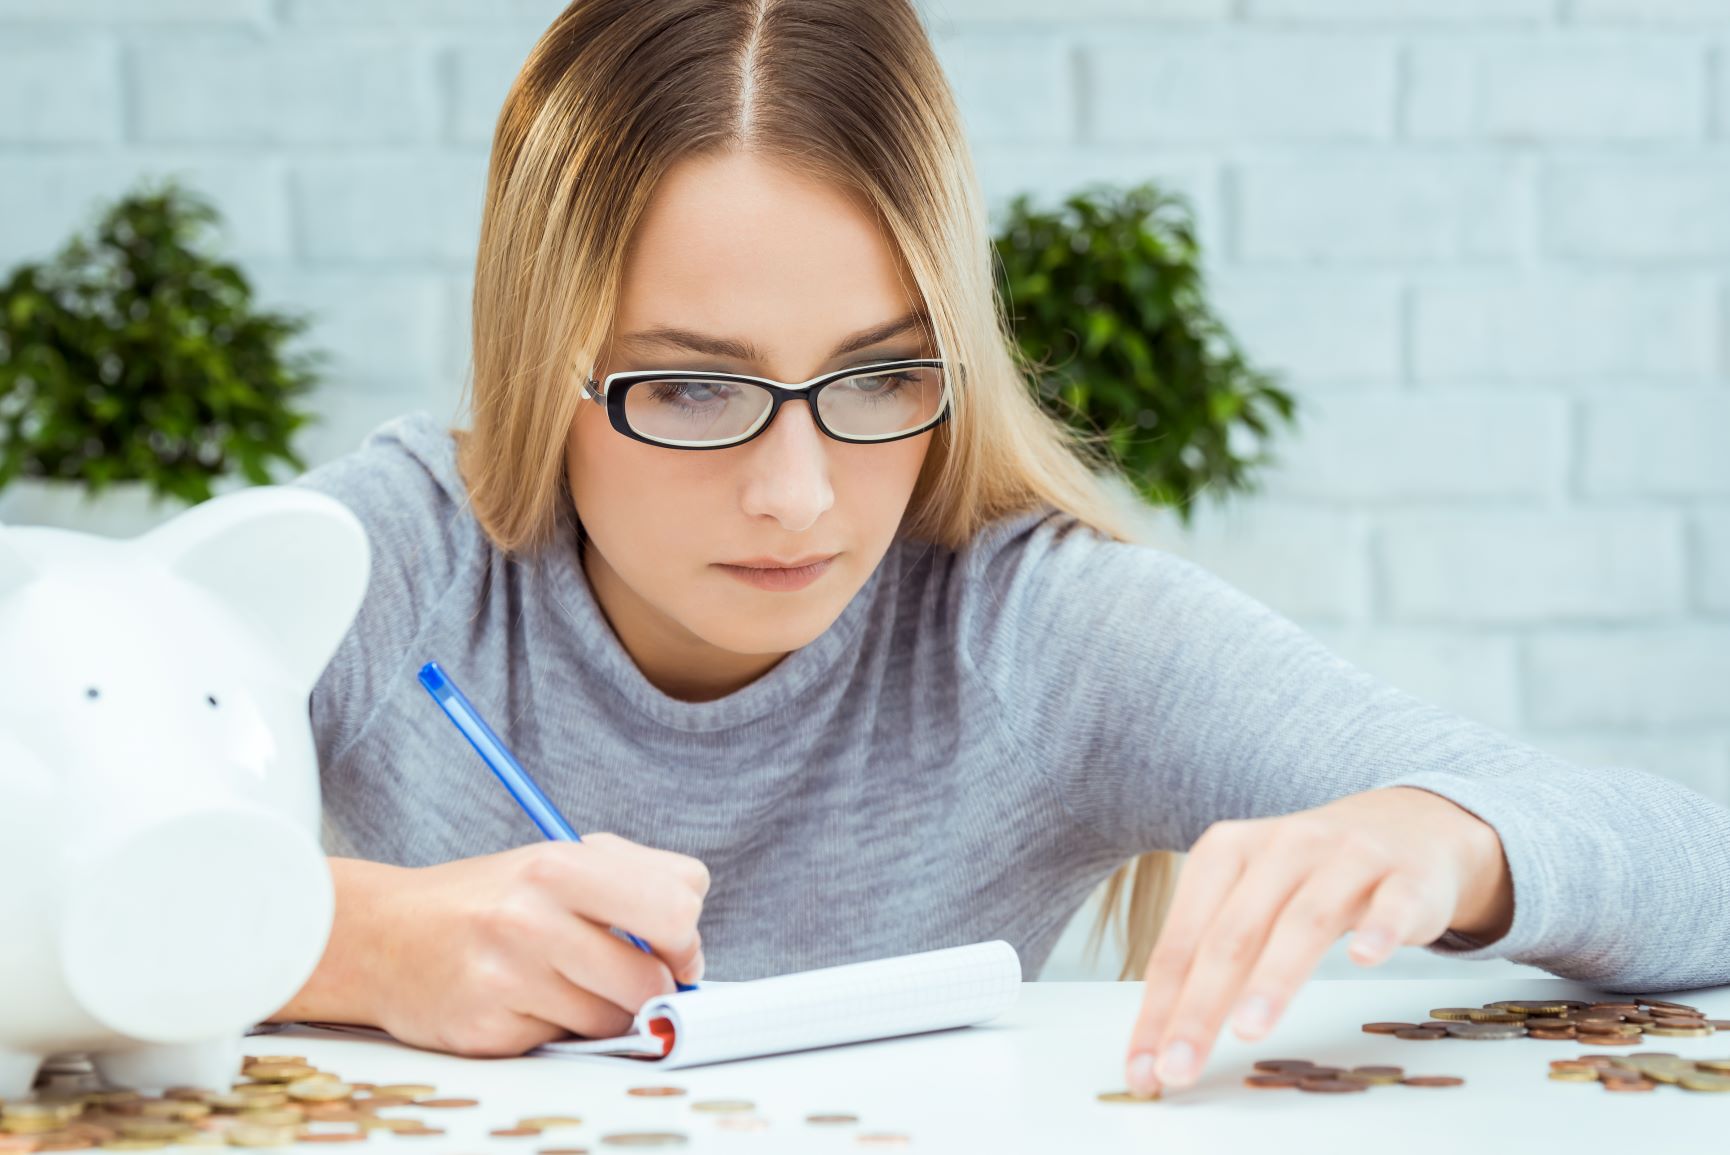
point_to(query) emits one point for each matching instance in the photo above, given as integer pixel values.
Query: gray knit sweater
(977, 740)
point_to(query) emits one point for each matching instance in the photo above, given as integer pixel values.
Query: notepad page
(883, 998)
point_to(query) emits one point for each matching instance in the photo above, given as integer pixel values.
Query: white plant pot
(124, 509)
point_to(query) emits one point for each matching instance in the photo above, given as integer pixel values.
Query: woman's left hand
(1260, 901)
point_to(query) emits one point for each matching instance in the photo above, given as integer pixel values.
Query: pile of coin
(1603, 1024)
(1303, 1075)
(1643, 1071)
(282, 1100)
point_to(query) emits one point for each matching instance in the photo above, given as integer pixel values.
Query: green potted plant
(136, 375)
(1107, 302)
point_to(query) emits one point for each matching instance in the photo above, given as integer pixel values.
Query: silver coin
(1486, 1030)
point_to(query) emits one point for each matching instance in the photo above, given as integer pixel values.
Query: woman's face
(736, 249)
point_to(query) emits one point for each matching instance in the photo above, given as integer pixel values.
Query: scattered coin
(440, 1104)
(884, 1139)
(1331, 1086)
(722, 1106)
(742, 1122)
(644, 1139)
(1433, 1081)
(1112, 1097)
(656, 1092)
(830, 1118)
(514, 1132)
(546, 1122)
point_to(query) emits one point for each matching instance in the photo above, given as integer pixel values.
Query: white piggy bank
(162, 886)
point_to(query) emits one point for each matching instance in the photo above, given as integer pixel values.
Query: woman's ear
(292, 562)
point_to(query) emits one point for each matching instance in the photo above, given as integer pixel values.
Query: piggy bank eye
(92, 693)
(211, 698)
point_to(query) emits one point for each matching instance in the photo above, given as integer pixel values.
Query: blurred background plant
(1106, 298)
(137, 355)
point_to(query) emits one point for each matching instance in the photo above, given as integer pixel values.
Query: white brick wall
(1486, 241)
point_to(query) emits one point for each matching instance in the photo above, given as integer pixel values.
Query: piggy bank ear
(16, 570)
(291, 561)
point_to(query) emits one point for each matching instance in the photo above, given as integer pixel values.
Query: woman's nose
(787, 470)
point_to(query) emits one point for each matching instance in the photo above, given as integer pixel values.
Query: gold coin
(318, 1090)
(1125, 1097)
(645, 1139)
(202, 1139)
(1721, 1066)
(1572, 1076)
(655, 1092)
(273, 1117)
(1705, 1081)
(544, 1122)
(1679, 1032)
(277, 1072)
(438, 1104)
(1455, 1014)
(827, 1118)
(884, 1139)
(514, 1132)
(153, 1129)
(722, 1106)
(134, 1144)
(406, 1090)
(259, 1135)
(277, 1060)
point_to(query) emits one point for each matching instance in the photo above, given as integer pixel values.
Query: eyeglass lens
(869, 405)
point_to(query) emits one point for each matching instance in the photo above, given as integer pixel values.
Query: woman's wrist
(1486, 909)
(360, 952)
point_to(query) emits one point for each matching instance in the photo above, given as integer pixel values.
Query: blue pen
(504, 764)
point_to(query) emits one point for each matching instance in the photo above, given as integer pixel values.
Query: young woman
(763, 558)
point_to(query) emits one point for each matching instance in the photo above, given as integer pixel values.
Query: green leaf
(137, 340)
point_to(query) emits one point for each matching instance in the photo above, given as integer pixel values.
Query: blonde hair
(614, 94)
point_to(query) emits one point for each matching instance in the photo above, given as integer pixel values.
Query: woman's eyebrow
(745, 351)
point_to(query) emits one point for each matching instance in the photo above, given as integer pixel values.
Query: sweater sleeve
(402, 484)
(1162, 699)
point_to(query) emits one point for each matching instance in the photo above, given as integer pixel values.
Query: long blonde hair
(615, 93)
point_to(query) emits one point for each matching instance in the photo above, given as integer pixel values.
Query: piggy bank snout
(195, 923)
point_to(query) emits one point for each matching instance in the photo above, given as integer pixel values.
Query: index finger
(1214, 865)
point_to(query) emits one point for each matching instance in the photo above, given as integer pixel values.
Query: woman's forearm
(359, 952)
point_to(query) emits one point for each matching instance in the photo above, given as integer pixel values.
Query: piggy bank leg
(17, 1073)
(210, 1063)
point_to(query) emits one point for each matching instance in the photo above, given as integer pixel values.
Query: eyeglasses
(701, 410)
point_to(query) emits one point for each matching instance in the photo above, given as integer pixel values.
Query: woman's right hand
(493, 956)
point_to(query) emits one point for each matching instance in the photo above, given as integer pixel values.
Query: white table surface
(1027, 1080)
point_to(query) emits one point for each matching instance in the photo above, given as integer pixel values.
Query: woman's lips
(778, 577)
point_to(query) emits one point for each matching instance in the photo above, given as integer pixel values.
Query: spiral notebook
(884, 998)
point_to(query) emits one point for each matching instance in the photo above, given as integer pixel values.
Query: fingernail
(1369, 944)
(1177, 1064)
(1141, 1079)
(1252, 1015)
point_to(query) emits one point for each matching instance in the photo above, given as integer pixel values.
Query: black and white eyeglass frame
(611, 392)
